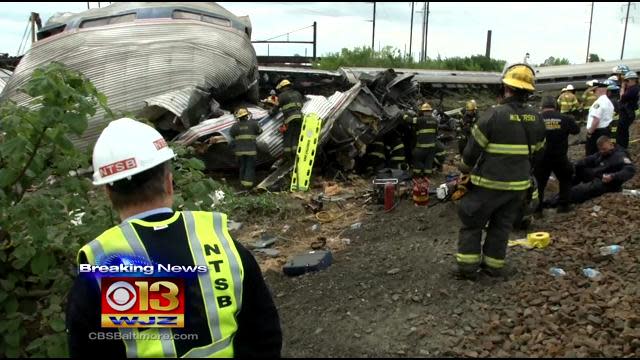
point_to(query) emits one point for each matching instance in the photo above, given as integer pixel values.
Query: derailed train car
(163, 61)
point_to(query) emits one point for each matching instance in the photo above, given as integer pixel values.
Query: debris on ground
(309, 262)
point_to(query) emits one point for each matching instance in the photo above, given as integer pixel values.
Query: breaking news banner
(138, 294)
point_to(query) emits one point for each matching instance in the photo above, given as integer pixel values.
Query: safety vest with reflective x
(210, 243)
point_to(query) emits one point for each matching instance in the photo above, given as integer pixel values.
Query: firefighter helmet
(620, 69)
(282, 84)
(471, 105)
(519, 76)
(425, 107)
(241, 113)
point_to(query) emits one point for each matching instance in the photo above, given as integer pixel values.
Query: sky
(455, 29)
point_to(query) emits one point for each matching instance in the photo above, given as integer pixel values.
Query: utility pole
(33, 27)
(426, 33)
(315, 39)
(624, 37)
(590, 23)
(424, 21)
(411, 31)
(373, 32)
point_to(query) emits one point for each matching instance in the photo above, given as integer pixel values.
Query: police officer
(469, 118)
(613, 93)
(425, 128)
(290, 102)
(244, 134)
(499, 158)
(602, 172)
(600, 116)
(628, 106)
(558, 128)
(229, 308)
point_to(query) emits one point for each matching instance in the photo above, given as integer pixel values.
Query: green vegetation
(552, 61)
(47, 211)
(390, 57)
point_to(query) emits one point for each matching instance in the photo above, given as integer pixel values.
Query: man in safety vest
(499, 155)
(588, 98)
(469, 117)
(290, 102)
(243, 134)
(227, 309)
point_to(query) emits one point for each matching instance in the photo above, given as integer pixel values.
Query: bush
(389, 57)
(47, 211)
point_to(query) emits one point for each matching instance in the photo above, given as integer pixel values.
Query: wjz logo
(142, 302)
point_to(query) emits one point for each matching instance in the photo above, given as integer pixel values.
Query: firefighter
(395, 148)
(558, 128)
(374, 157)
(602, 172)
(600, 116)
(243, 134)
(613, 93)
(425, 128)
(568, 102)
(499, 156)
(619, 71)
(290, 102)
(228, 308)
(628, 106)
(469, 117)
(271, 101)
(588, 98)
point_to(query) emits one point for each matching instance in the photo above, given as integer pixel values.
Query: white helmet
(125, 148)
(570, 87)
(563, 90)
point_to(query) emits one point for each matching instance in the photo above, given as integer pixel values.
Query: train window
(215, 20)
(178, 14)
(108, 20)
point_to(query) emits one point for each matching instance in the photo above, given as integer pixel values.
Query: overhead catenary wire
(23, 42)
(287, 33)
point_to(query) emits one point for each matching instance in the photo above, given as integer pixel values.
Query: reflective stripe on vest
(500, 185)
(377, 154)
(398, 147)
(245, 137)
(207, 247)
(293, 105)
(293, 117)
(426, 131)
(422, 146)
(246, 153)
(479, 136)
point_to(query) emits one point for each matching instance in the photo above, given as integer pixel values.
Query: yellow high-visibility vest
(209, 241)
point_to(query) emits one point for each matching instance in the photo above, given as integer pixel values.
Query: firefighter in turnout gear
(425, 128)
(374, 157)
(395, 148)
(228, 307)
(290, 102)
(588, 98)
(499, 155)
(243, 134)
(559, 127)
(568, 102)
(469, 117)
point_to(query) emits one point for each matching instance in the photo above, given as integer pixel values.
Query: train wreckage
(184, 66)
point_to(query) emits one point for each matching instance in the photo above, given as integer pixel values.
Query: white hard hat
(563, 90)
(125, 148)
(590, 83)
(613, 77)
(570, 87)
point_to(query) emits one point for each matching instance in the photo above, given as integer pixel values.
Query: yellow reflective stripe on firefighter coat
(210, 242)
